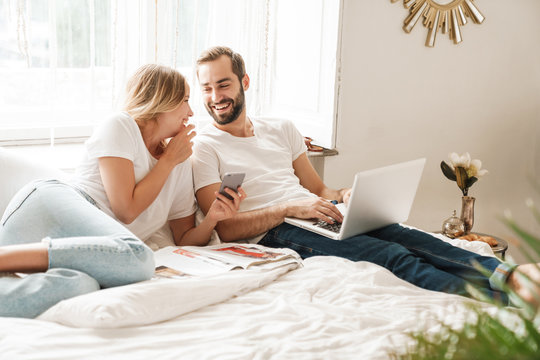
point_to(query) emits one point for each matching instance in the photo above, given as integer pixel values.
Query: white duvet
(330, 308)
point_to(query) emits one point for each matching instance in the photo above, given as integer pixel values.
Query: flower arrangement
(464, 171)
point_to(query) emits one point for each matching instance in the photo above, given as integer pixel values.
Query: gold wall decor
(444, 15)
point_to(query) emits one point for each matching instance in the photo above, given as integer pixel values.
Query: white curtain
(64, 63)
(246, 22)
(150, 31)
(71, 95)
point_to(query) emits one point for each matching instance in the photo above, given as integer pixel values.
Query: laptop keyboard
(335, 227)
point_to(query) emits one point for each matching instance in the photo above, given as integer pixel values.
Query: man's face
(222, 92)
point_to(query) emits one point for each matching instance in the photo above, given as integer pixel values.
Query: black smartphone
(231, 181)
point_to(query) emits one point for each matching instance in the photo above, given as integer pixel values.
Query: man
(280, 181)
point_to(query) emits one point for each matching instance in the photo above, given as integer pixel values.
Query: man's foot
(525, 282)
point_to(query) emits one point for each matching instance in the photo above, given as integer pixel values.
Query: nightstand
(502, 245)
(499, 250)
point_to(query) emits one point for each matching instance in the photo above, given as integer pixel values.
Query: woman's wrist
(209, 222)
(166, 162)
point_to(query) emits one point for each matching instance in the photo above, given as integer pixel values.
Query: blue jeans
(88, 249)
(412, 255)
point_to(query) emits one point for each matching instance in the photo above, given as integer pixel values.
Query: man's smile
(222, 107)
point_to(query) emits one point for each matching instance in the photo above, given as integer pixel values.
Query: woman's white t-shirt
(119, 136)
(266, 158)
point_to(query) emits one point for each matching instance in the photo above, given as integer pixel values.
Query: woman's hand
(223, 208)
(180, 147)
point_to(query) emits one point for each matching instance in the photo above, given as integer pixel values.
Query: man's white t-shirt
(119, 136)
(266, 158)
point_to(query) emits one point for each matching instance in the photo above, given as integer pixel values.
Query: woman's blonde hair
(154, 89)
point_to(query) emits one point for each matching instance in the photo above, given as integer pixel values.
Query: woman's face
(171, 122)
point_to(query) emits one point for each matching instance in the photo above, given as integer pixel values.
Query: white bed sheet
(331, 308)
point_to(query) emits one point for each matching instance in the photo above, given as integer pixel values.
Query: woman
(85, 234)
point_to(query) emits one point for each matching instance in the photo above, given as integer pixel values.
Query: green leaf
(461, 178)
(532, 332)
(471, 181)
(528, 238)
(535, 213)
(447, 171)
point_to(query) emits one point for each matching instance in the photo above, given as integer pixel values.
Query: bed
(327, 308)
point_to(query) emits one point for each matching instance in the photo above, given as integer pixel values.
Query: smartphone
(231, 181)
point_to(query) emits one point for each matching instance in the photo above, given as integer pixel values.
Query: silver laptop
(379, 197)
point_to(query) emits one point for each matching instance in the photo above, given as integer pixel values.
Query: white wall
(400, 100)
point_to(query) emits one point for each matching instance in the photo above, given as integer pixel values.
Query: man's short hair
(238, 67)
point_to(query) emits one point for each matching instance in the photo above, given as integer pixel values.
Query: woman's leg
(77, 236)
(34, 294)
(24, 258)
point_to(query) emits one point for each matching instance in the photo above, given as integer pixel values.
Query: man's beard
(238, 106)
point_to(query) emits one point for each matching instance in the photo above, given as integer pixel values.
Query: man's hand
(314, 208)
(186, 233)
(347, 196)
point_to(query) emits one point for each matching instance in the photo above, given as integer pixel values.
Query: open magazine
(175, 262)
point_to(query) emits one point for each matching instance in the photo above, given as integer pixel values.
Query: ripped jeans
(88, 249)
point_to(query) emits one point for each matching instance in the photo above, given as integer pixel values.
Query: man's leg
(440, 254)
(463, 263)
(393, 256)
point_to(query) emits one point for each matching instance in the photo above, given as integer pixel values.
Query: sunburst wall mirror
(444, 15)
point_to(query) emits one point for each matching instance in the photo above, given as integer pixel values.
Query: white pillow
(17, 171)
(156, 300)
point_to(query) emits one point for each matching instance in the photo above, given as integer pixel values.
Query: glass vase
(453, 226)
(467, 213)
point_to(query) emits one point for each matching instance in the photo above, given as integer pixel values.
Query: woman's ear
(245, 82)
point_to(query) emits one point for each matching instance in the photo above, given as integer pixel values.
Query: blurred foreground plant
(509, 333)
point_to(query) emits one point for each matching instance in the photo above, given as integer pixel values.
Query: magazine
(177, 262)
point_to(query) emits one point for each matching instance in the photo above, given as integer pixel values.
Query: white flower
(475, 169)
(463, 161)
(464, 171)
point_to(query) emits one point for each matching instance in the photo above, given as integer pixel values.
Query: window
(303, 78)
(64, 63)
(55, 64)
